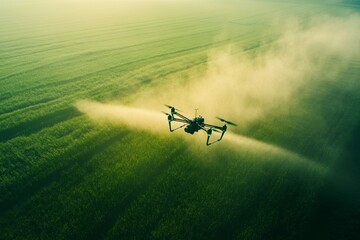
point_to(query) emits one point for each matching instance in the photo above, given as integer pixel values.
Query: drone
(196, 124)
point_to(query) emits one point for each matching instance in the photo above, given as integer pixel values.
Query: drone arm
(181, 116)
(179, 120)
(213, 126)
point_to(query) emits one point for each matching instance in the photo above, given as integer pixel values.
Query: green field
(86, 154)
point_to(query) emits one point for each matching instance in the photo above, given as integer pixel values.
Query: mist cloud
(244, 87)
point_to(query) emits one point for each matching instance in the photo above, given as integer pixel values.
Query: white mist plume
(137, 118)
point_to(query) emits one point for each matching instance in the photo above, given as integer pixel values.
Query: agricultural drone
(196, 124)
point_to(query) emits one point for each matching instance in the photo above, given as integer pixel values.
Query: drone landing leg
(171, 130)
(218, 140)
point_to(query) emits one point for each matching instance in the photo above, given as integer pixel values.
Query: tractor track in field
(48, 120)
(105, 70)
(161, 40)
(111, 29)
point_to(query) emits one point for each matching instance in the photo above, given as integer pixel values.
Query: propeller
(225, 121)
(165, 113)
(172, 107)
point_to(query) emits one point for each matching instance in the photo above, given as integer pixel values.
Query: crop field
(85, 152)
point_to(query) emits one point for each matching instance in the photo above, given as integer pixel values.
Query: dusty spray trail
(135, 118)
(245, 88)
(156, 122)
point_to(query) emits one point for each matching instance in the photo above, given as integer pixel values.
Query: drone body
(196, 124)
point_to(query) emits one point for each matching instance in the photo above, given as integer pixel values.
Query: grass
(63, 176)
